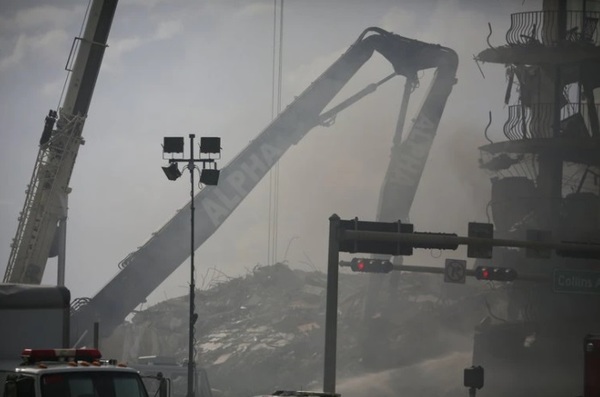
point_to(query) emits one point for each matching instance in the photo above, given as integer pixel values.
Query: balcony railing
(537, 121)
(553, 27)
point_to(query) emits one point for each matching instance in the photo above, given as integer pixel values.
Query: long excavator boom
(145, 269)
(409, 156)
(46, 196)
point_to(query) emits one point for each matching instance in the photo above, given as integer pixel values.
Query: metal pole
(329, 370)
(192, 320)
(96, 335)
(62, 241)
(62, 231)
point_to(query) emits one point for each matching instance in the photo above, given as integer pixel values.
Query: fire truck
(35, 360)
(70, 373)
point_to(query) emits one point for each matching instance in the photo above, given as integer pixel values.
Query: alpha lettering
(234, 188)
(255, 168)
(215, 211)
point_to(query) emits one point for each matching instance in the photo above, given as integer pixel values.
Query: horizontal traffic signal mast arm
(432, 240)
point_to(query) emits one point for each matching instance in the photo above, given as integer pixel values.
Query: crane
(145, 269)
(42, 222)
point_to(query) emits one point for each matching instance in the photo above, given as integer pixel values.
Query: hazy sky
(175, 67)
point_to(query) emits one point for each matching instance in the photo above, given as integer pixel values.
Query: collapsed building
(265, 331)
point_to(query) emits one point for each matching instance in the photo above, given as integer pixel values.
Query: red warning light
(360, 266)
(37, 355)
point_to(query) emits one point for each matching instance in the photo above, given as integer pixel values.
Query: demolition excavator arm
(408, 156)
(145, 269)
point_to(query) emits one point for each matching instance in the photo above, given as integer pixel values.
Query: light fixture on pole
(208, 176)
(172, 171)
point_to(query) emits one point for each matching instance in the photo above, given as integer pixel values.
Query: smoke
(348, 161)
(438, 377)
(340, 169)
(211, 74)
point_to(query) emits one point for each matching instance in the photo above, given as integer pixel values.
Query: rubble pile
(265, 331)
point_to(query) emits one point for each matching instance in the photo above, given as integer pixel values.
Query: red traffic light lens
(360, 266)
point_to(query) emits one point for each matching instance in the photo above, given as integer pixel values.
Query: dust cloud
(439, 377)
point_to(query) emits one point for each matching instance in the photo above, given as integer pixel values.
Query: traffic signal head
(473, 377)
(495, 273)
(371, 265)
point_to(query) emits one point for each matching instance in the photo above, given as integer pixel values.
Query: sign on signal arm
(576, 281)
(455, 271)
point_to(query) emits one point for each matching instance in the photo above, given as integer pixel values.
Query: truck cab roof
(36, 369)
(70, 373)
(37, 361)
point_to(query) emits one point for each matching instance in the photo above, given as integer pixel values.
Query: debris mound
(265, 331)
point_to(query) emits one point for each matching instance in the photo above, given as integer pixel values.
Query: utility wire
(277, 69)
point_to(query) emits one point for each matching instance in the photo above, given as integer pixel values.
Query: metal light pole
(192, 318)
(208, 177)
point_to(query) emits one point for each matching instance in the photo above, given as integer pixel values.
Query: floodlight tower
(208, 176)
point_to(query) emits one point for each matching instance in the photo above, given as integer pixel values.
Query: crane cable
(277, 68)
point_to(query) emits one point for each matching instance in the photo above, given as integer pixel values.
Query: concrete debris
(265, 331)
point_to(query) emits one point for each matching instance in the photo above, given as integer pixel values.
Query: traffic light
(371, 265)
(491, 273)
(591, 365)
(481, 231)
(473, 377)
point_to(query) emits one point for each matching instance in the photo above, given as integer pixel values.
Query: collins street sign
(577, 281)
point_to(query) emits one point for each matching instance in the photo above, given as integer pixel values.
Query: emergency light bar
(36, 355)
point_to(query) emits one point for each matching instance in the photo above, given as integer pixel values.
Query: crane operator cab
(69, 373)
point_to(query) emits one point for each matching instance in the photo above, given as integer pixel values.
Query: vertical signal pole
(329, 370)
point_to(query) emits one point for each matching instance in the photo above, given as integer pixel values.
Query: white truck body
(33, 317)
(35, 360)
(71, 379)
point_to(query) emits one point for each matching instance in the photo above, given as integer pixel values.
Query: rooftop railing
(551, 28)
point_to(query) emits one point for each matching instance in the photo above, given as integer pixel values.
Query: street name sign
(576, 281)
